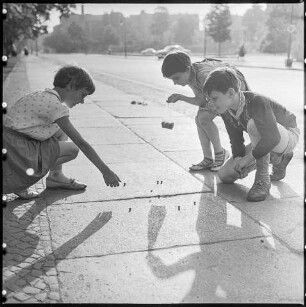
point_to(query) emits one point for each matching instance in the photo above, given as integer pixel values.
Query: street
(173, 236)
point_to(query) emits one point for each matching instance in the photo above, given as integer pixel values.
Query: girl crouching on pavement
(35, 133)
(177, 66)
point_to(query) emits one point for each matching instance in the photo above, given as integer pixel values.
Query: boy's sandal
(201, 166)
(27, 194)
(72, 184)
(218, 164)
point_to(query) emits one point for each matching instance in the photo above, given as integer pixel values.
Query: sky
(128, 9)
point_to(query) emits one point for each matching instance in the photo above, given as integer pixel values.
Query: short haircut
(78, 77)
(174, 62)
(220, 80)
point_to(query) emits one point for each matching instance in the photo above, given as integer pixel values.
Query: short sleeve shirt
(35, 114)
(200, 71)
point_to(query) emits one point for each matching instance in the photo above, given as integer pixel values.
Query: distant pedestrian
(272, 129)
(36, 130)
(13, 50)
(177, 66)
(241, 52)
(26, 51)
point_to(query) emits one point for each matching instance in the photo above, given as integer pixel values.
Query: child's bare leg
(205, 142)
(212, 132)
(68, 152)
(206, 121)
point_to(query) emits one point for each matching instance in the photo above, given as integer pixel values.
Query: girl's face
(74, 97)
(181, 78)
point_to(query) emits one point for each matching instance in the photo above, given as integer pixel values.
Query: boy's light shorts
(294, 134)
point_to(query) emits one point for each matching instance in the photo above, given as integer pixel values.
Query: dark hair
(78, 77)
(174, 62)
(220, 80)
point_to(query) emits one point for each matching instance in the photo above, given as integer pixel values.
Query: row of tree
(23, 21)
(260, 30)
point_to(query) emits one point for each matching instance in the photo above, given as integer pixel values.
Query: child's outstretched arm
(197, 101)
(110, 178)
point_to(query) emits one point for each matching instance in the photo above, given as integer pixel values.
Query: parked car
(148, 51)
(163, 52)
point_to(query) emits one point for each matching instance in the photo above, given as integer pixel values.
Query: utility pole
(290, 30)
(204, 33)
(122, 24)
(36, 46)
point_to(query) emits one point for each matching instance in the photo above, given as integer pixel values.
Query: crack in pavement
(163, 248)
(135, 197)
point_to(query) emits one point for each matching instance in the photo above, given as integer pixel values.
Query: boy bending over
(272, 129)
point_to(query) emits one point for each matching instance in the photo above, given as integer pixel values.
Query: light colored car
(163, 52)
(148, 51)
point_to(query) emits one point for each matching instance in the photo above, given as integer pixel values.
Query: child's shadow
(48, 262)
(21, 225)
(215, 223)
(231, 192)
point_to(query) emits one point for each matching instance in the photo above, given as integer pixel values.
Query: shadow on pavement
(215, 265)
(16, 233)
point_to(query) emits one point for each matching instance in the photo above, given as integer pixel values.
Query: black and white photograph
(153, 153)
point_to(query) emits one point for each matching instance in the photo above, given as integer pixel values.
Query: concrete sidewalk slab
(181, 137)
(122, 153)
(138, 111)
(194, 219)
(216, 273)
(95, 122)
(282, 219)
(109, 135)
(140, 178)
(154, 121)
(87, 111)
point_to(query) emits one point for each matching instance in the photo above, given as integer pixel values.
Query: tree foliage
(279, 17)
(253, 22)
(26, 20)
(219, 21)
(160, 23)
(184, 29)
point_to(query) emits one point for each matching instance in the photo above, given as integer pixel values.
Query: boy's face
(180, 78)
(220, 101)
(74, 97)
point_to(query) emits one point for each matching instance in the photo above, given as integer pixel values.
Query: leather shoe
(259, 190)
(279, 170)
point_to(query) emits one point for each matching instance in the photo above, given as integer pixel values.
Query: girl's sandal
(202, 165)
(27, 194)
(72, 184)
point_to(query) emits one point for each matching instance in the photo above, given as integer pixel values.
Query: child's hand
(111, 179)
(240, 166)
(174, 98)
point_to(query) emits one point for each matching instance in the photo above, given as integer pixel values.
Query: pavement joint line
(281, 241)
(164, 248)
(136, 197)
